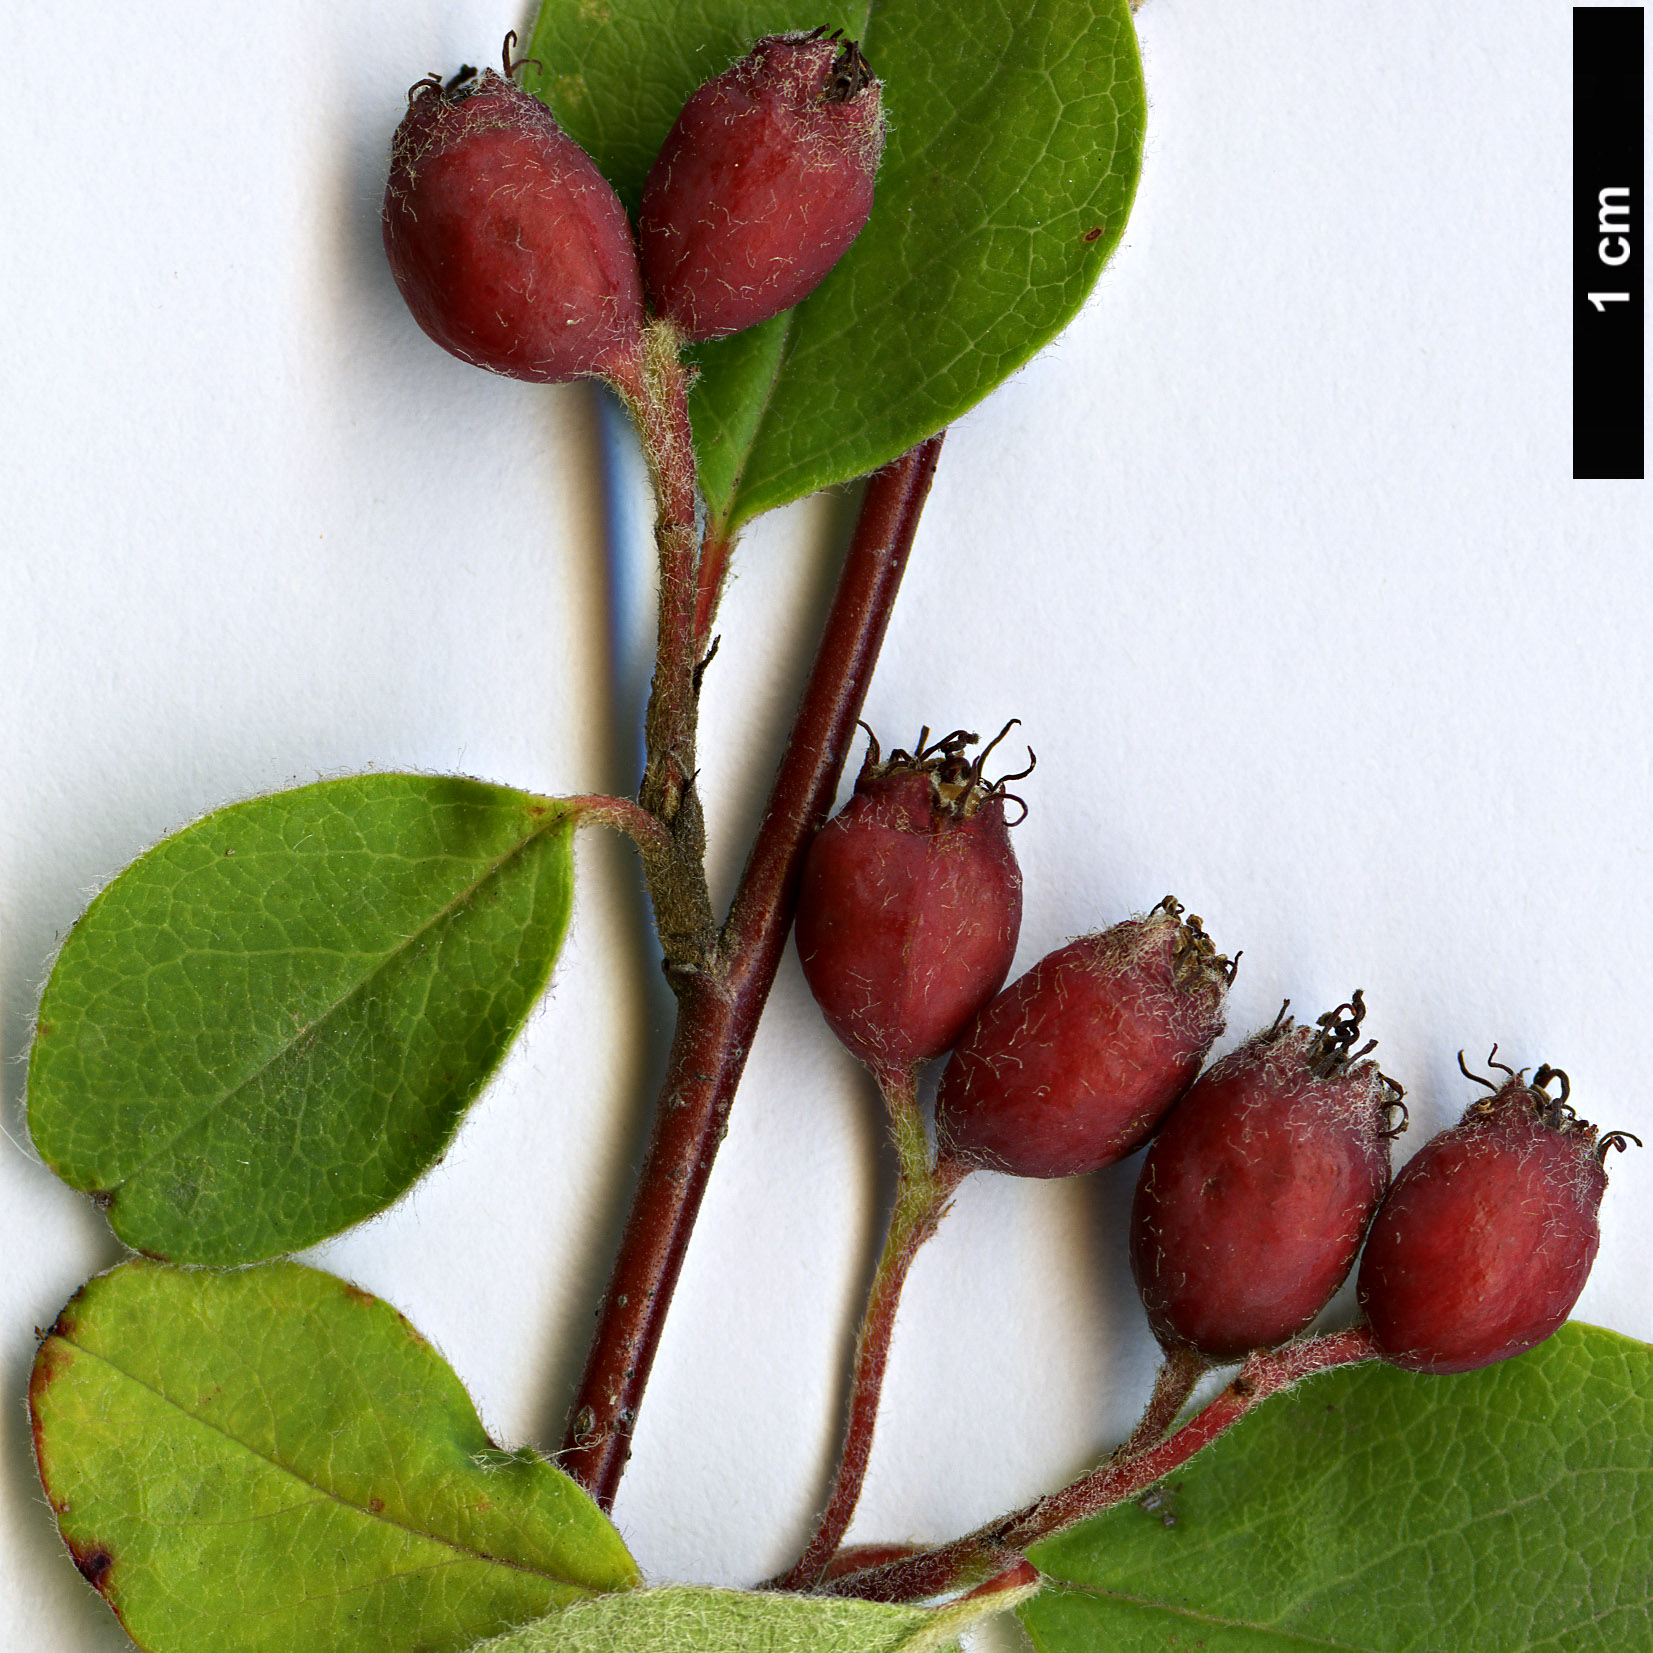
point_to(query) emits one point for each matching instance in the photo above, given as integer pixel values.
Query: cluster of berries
(1266, 1173)
(514, 253)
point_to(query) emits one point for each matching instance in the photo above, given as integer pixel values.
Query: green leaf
(267, 1027)
(1378, 1510)
(690, 1619)
(272, 1459)
(1014, 148)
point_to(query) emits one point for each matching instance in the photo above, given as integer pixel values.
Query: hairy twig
(1119, 1478)
(719, 1004)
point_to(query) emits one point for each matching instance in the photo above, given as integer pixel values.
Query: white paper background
(1276, 553)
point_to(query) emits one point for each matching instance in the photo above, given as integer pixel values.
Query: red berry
(509, 246)
(1073, 1065)
(911, 903)
(1256, 1194)
(1487, 1236)
(762, 184)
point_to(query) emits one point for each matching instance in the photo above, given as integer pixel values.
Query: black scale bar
(1609, 223)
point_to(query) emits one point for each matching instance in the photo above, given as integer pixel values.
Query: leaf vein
(461, 1551)
(1301, 1637)
(308, 1029)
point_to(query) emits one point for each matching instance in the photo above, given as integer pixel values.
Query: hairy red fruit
(911, 903)
(762, 184)
(1259, 1188)
(1487, 1237)
(509, 246)
(1072, 1066)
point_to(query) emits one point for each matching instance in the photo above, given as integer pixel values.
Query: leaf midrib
(463, 1551)
(1059, 1587)
(217, 1105)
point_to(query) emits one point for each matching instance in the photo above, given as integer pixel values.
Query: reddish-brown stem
(824, 728)
(857, 1558)
(718, 1007)
(1119, 1478)
(921, 1201)
(1262, 1375)
(715, 546)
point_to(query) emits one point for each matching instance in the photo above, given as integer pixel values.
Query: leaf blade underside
(697, 1619)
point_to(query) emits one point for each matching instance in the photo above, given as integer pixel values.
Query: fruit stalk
(1263, 1374)
(1174, 1382)
(1118, 1479)
(719, 1007)
(922, 1194)
(656, 394)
